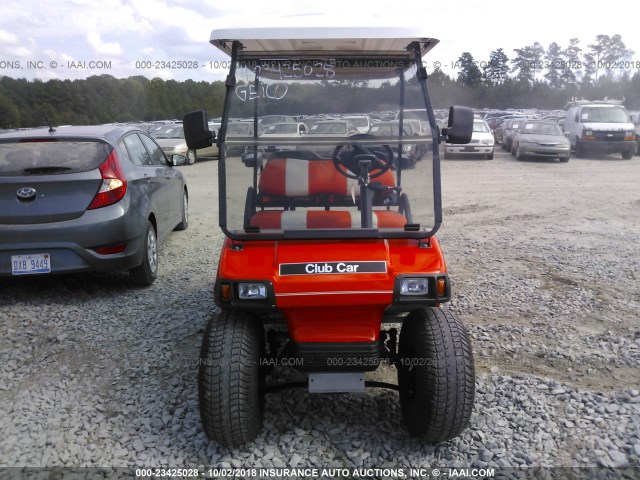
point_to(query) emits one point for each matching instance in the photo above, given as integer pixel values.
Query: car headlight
(414, 286)
(629, 136)
(252, 291)
(487, 141)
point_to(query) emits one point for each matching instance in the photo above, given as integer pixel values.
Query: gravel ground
(545, 263)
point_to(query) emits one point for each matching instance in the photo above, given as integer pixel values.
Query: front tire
(191, 157)
(518, 153)
(147, 272)
(230, 378)
(436, 375)
(579, 150)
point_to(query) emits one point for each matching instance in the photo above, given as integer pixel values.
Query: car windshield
(359, 121)
(480, 126)
(541, 129)
(609, 114)
(338, 128)
(171, 132)
(240, 128)
(387, 129)
(308, 186)
(42, 157)
(284, 128)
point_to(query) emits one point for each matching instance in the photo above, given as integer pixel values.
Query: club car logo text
(332, 267)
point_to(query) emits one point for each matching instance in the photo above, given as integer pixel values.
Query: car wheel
(518, 153)
(512, 150)
(230, 378)
(436, 375)
(627, 155)
(564, 159)
(191, 157)
(579, 150)
(184, 224)
(146, 273)
(489, 156)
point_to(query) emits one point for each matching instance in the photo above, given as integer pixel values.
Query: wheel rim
(152, 251)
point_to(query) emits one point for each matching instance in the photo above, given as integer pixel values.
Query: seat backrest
(295, 177)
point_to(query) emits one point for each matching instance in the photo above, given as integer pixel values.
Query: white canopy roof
(375, 41)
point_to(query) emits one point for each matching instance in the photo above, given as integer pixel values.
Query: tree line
(534, 77)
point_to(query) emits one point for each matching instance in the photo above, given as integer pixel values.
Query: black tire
(184, 224)
(230, 379)
(627, 155)
(191, 157)
(436, 375)
(518, 153)
(147, 272)
(490, 156)
(579, 150)
(563, 159)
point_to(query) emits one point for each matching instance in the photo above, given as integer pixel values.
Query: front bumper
(600, 146)
(542, 151)
(469, 149)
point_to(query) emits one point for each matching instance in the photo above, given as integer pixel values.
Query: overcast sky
(59, 38)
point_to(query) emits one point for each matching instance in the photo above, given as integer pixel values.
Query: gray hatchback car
(90, 198)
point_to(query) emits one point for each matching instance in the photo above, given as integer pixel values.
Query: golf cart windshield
(331, 179)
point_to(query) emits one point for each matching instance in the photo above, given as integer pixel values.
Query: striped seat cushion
(309, 219)
(293, 177)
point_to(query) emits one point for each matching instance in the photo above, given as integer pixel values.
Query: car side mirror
(177, 160)
(460, 126)
(196, 130)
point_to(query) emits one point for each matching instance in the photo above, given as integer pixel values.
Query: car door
(150, 181)
(173, 181)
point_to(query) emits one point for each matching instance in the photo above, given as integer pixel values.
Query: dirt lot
(544, 258)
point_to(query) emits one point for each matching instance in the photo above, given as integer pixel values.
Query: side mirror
(460, 126)
(177, 160)
(196, 130)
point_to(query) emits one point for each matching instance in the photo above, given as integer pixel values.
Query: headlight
(629, 136)
(487, 142)
(414, 286)
(252, 291)
(406, 148)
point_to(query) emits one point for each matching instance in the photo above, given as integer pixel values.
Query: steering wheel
(382, 161)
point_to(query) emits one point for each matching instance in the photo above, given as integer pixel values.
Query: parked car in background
(284, 130)
(171, 140)
(498, 131)
(266, 121)
(362, 122)
(329, 129)
(601, 126)
(409, 154)
(93, 198)
(481, 144)
(508, 128)
(540, 139)
(237, 130)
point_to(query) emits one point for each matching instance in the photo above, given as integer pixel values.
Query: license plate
(469, 149)
(30, 264)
